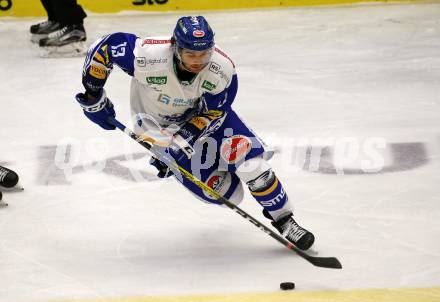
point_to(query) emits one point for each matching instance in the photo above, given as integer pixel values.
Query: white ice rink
(348, 95)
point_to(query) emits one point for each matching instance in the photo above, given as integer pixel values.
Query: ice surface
(349, 96)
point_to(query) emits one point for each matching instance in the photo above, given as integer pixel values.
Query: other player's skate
(292, 231)
(9, 180)
(42, 30)
(67, 41)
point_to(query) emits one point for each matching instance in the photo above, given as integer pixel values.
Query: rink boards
(371, 295)
(20, 8)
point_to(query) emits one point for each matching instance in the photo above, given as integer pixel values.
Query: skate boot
(8, 178)
(67, 41)
(292, 231)
(43, 29)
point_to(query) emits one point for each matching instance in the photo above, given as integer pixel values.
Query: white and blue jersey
(204, 101)
(161, 94)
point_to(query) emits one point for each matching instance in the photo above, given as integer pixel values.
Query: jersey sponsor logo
(214, 68)
(235, 148)
(164, 98)
(208, 85)
(177, 102)
(154, 41)
(220, 182)
(162, 80)
(198, 33)
(214, 182)
(156, 61)
(182, 102)
(141, 61)
(199, 122)
(274, 201)
(223, 75)
(98, 72)
(213, 114)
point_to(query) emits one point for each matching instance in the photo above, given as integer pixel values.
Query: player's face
(195, 61)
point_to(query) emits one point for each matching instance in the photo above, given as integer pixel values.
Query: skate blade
(76, 49)
(17, 188)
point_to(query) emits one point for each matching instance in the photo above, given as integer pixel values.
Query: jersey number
(119, 50)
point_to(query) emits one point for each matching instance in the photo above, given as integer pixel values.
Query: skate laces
(292, 230)
(59, 33)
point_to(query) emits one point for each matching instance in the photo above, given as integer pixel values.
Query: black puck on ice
(287, 285)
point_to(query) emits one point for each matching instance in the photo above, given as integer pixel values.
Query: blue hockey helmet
(193, 33)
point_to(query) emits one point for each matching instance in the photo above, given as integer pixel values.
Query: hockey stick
(327, 262)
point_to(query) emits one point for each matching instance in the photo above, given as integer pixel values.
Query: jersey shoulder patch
(219, 73)
(223, 54)
(153, 54)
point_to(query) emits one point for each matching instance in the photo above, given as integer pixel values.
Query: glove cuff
(96, 106)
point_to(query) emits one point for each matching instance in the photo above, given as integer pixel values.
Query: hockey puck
(287, 285)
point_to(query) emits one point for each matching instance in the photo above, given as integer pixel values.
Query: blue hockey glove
(184, 139)
(200, 125)
(164, 171)
(98, 110)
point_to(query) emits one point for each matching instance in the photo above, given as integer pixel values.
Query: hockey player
(64, 31)
(183, 87)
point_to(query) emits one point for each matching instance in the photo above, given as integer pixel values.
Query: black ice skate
(9, 180)
(43, 29)
(68, 40)
(292, 231)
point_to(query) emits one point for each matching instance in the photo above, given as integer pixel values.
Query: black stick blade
(328, 262)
